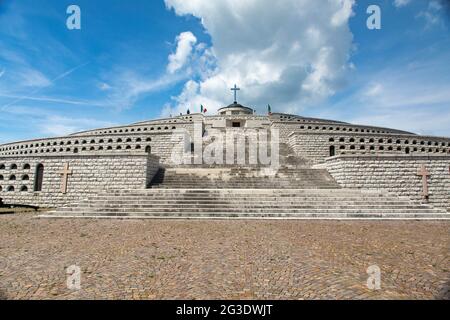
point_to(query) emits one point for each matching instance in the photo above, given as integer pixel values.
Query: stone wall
(308, 138)
(90, 174)
(313, 147)
(318, 146)
(396, 174)
(288, 124)
(159, 144)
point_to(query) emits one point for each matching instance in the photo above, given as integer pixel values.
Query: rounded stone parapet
(235, 109)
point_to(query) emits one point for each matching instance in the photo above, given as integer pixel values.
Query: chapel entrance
(332, 151)
(39, 177)
(236, 124)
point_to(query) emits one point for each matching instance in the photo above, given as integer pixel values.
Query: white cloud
(41, 121)
(401, 3)
(104, 86)
(433, 14)
(412, 98)
(185, 42)
(128, 87)
(33, 81)
(435, 5)
(291, 54)
(59, 125)
(189, 99)
(374, 90)
(79, 102)
(125, 87)
(342, 15)
(33, 78)
(2, 72)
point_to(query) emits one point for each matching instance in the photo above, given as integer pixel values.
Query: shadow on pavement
(3, 295)
(444, 293)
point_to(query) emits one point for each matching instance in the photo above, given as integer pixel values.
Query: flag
(205, 110)
(188, 111)
(269, 109)
(201, 108)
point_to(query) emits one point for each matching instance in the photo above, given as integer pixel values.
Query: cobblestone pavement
(160, 259)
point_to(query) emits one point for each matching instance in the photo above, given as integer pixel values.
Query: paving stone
(234, 259)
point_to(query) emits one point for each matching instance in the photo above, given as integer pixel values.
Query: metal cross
(235, 89)
(423, 172)
(65, 177)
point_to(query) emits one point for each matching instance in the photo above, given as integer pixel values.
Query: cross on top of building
(235, 89)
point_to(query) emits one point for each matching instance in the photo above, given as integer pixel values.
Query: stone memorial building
(325, 169)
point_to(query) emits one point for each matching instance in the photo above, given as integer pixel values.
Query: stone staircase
(293, 191)
(243, 178)
(247, 204)
(287, 158)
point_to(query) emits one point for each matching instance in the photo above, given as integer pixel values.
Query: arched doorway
(332, 151)
(39, 177)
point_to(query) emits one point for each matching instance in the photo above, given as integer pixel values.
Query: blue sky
(137, 60)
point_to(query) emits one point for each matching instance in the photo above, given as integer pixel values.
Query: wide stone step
(257, 210)
(247, 209)
(246, 196)
(243, 178)
(285, 175)
(233, 184)
(260, 209)
(249, 181)
(250, 202)
(226, 215)
(253, 209)
(182, 196)
(228, 198)
(246, 192)
(244, 186)
(255, 174)
(287, 190)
